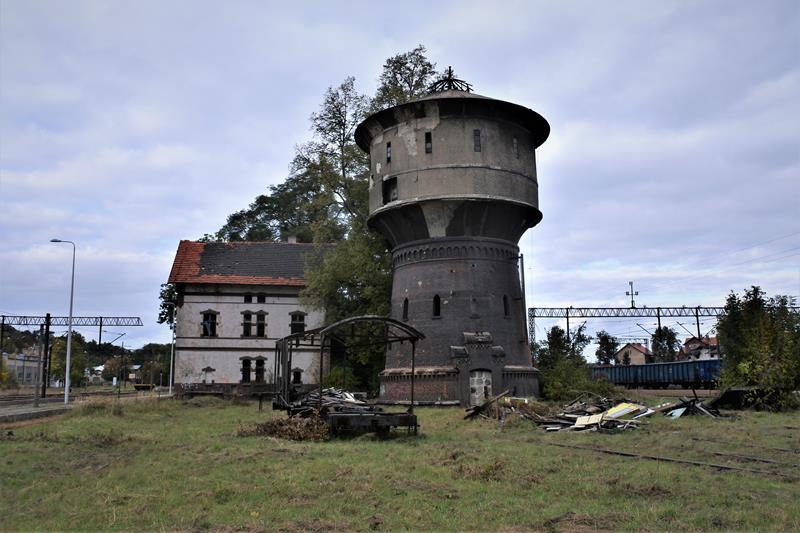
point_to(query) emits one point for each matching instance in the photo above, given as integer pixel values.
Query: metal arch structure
(393, 331)
(406, 332)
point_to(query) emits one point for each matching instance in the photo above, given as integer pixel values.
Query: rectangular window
(260, 371)
(298, 324)
(248, 298)
(262, 298)
(261, 325)
(246, 367)
(247, 325)
(516, 148)
(209, 325)
(388, 152)
(389, 190)
(428, 142)
(476, 140)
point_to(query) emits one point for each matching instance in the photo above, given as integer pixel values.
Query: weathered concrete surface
(18, 413)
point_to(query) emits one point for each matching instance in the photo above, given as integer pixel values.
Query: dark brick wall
(426, 388)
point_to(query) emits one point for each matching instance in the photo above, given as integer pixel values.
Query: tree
(404, 77)
(151, 351)
(626, 359)
(665, 344)
(562, 367)
(353, 279)
(112, 368)
(168, 298)
(97, 354)
(16, 340)
(325, 200)
(334, 126)
(299, 206)
(77, 359)
(607, 347)
(760, 342)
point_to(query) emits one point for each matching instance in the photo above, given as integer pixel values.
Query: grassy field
(172, 465)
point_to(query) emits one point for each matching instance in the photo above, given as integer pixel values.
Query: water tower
(452, 188)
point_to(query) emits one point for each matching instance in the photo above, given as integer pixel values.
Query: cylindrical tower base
(476, 342)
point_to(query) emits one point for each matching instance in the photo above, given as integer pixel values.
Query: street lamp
(69, 324)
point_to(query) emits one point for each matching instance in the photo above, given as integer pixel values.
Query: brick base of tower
(454, 384)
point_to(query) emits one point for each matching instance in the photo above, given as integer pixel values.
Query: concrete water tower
(453, 187)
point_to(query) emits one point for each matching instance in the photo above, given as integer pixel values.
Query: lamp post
(69, 324)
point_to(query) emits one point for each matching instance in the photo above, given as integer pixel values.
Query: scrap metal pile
(333, 401)
(343, 412)
(588, 412)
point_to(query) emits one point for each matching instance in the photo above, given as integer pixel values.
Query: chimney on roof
(291, 239)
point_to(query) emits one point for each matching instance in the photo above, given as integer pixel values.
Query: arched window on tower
(437, 306)
(405, 309)
(506, 311)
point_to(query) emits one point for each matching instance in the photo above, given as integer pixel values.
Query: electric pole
(632, 293)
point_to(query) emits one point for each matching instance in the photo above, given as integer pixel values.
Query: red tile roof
(241, 263)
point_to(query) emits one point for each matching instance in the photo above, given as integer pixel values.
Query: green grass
(171, 465)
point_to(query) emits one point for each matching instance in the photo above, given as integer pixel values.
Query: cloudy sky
(674, 157)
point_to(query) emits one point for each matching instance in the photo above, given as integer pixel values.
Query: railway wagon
(690, 374)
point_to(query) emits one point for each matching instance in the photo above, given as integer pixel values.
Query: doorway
(480, 386)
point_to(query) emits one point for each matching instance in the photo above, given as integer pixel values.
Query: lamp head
(55, 240)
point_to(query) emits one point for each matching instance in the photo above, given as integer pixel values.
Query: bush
(567, 379)
(760, 341)
(8, 380)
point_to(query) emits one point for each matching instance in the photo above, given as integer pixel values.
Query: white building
(234, 301)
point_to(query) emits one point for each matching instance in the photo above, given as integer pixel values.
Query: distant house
(633, 353)
(233, 301)
(699, 349)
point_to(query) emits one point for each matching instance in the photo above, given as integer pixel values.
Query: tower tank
(453, 187)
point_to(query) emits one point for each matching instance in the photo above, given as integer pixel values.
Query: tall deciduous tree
(760, 341)
(404, 77)
(77, 364)
(665, 344)
(563, 369)
(607, 346)
(168, 298)
(325, 200)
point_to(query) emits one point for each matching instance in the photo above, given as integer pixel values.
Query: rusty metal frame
(394, 330)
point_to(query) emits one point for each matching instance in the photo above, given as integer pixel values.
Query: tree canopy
(665, 344)
(607, 346)
(78, 360)
(562, 367)
(760, 341)
(324, 199)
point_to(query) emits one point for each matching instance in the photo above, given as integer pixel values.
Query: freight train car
(686, 374)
